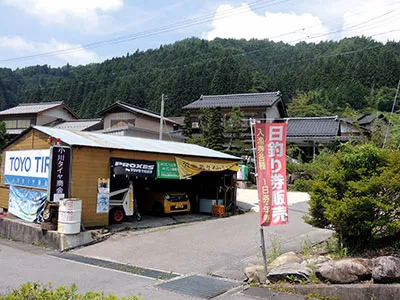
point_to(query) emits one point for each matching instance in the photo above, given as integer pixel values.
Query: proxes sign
(28, 168)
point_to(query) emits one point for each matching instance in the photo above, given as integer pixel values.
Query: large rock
(386, 269)
(292, 272)
(316, 261)
(286, 258)
(255, 274)
(346, 270)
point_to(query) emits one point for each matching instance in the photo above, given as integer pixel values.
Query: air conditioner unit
(195, 125)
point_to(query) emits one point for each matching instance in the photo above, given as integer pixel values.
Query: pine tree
(3, 134)
(187, 125)
(215, 132)
(234, 131)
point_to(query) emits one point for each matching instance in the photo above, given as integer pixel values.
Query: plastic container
(69, 216)
(243, 173)
(218, 210)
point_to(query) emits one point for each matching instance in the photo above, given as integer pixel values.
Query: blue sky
(34, 27)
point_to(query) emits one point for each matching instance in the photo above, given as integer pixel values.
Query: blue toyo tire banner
(26, 204)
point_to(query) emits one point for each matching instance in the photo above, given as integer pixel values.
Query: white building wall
(53, 114)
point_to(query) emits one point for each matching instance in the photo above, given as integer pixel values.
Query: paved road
(222, 247)
(21, 263)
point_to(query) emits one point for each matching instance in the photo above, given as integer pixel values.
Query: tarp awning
(189, 168)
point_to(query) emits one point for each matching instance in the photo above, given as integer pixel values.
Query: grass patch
(36, 291)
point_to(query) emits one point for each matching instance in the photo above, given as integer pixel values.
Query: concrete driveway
(221, 246)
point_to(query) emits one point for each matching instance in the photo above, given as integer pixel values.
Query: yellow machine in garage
(167, 202)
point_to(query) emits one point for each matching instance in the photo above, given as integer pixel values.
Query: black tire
(116, 215)
(158, 209)
(49, 213)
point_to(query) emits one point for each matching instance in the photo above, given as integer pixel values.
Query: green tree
(187, 125)
(3, 135)
(212, 130)
(302, 106)
(356, 190)
(361, 80)
(215, 130)
(234, 131)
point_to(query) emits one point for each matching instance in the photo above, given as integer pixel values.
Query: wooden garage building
(91, 153)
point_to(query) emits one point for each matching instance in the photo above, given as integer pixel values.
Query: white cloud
(379, 16)
(60, 11)
(21, 47)
(244, 23)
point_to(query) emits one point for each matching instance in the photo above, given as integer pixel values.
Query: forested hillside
(324, 78)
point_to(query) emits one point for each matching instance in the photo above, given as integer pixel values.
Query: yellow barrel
(69, 215)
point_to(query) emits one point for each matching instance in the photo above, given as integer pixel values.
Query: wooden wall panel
(88, 164)
(4, 196)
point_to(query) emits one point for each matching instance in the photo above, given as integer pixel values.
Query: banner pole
(264, 254)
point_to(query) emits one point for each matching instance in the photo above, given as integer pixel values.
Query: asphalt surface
(220, 247)
(21, 263)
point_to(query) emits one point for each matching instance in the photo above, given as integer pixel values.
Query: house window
(11, 124)
(122, 123)
(23, 123)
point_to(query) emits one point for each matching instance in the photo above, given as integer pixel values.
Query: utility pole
(161, 117)
(391, 114)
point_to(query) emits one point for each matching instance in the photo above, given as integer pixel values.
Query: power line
(175, 26)
(171, 27)
(282, 64)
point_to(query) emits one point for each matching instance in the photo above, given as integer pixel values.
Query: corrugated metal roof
(78, 125)
(179, 120)
(30, 108)
(240, 100)
(313, 127)
(99, 140)
(15, 131)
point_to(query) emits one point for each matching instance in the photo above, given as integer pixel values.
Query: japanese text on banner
(262, 179)
(271, 168)
(276, 161)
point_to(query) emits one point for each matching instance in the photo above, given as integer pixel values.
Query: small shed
(93, 152)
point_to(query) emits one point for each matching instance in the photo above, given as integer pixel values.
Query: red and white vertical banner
(270, 143)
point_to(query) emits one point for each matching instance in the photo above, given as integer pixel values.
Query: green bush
(302, 185)
(36, 291)
(357, 192)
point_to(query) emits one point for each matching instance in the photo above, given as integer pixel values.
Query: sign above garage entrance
(167, 170)
(133, 167)
(189, 168)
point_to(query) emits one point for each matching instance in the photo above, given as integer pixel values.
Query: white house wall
(140, 121)
(53, 114)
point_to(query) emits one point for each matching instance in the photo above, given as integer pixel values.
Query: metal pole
(264, 254)
(253, 146)
(313, 156)
(391, 114)
(161, 118)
